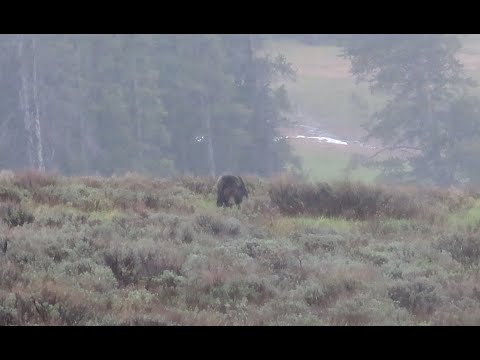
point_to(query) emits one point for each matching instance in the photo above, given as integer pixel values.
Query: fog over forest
(164, 105)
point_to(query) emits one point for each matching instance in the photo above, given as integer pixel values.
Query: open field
(133, 250)
(326, 162)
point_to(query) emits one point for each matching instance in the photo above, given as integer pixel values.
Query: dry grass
(134, 250)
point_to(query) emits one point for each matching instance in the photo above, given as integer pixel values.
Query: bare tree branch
(399, 147)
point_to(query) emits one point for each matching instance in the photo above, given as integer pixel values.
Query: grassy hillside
(133, 250)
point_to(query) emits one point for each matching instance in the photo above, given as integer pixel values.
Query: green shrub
(463, 246)
(57, 304)
(167, 286)
(15, 215)
(325, 293)
(199, 185)
(131, 264)
(357, 201)
(10, 194)
(218, 225)
(342, 199)
(228, 296)
(186, 233)
(419, 297)
(30, 179)
(151, 201)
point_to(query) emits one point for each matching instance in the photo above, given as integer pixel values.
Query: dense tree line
(157, 104)
(207, 104)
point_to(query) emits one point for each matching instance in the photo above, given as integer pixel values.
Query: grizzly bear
(228, 187)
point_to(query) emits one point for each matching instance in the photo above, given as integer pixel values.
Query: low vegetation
(135, 250)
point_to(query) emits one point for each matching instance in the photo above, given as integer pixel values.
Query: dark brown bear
(228, 187)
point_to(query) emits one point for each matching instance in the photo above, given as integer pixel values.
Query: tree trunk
(136, 114)
(259, 127)
(251, 86)
(29, 104)
(38, 133)
(80, 109)
(208, 122)
(443, 174)
(24, 101)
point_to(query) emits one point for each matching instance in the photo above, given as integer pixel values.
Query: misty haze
(303, 179)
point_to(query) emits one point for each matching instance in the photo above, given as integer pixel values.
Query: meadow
(135, 250)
